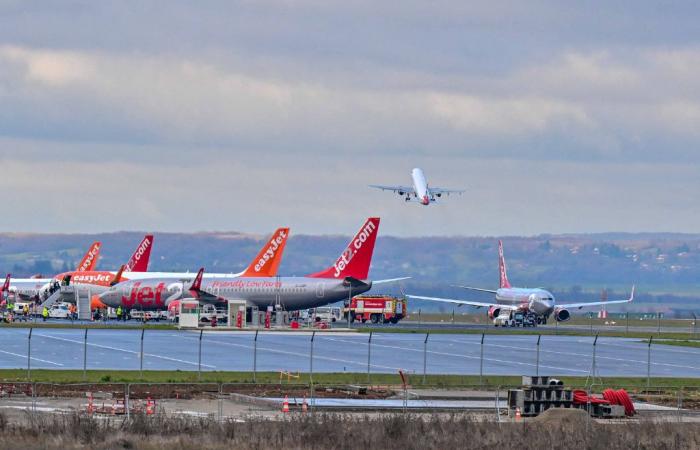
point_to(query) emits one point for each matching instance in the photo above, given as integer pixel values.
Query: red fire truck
(376, 309)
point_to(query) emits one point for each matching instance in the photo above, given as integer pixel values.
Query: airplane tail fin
(356, 258)
(268, 260)
(6, 285)
(141, 257)
(197, 284)
(89, 261)
(502, 267)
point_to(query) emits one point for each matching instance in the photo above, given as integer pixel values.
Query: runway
(342, 352)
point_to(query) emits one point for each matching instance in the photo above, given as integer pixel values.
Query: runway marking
(306, 355)
(35, 359)
(459, 355)
(107, 347)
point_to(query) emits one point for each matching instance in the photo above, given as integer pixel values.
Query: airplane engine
(401, 193)
(561, 315)
(494, 311)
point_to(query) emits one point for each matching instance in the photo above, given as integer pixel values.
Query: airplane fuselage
(291, 293)
(420, 185)
(538, 301)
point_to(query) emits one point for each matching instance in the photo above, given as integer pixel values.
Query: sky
(555, 116)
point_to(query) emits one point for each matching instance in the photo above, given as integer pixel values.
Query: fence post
(419, 320)
(590, 319)
(199, 360)
(537, 366)
(695, 325)
(311, 358)
(369, 355)
(29, 354)
(627, 320)
(255, 356)
(658, 321)
(143, 330)
(85, 355)
(594, 369)
(649, 362)
(481, 361)
(425, 354)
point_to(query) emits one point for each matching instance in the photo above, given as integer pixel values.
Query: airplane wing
(398, 189)
(462, 302)
(442, 191)
(389, 280)
(491, 291)
(607, 302)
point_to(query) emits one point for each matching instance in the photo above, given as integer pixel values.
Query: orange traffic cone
(517, 414)
(285, 405)
(304, 405)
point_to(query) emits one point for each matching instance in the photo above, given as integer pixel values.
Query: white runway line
(107, 347)
(33, 358)
(459, 355)
(305, 355)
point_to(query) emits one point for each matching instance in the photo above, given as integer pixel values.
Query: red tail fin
(89, 261)
(268, 260)
(142, 255)
(355, 260)
(6, 286)
(197, 283)
(502, 267)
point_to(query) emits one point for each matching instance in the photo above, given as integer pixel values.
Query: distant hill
(665, 266)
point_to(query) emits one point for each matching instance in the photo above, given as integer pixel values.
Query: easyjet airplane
(30, 288)
(420, 191)
(347, 276)
(92, 284)
(537, 301)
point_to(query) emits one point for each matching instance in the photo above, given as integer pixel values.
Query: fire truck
(376, 309)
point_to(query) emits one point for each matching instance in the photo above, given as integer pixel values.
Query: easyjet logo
(138, 254)
(89, 258)
(145, 296)
(269, 254)
(353, 248)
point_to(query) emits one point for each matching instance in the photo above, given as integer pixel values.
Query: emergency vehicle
(376, 309)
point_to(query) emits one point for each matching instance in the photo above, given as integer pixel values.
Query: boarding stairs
(62, 294)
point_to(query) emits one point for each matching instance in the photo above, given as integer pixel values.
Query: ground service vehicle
(376, 309)
(326, 314)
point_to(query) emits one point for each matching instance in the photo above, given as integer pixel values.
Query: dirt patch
(561, 416)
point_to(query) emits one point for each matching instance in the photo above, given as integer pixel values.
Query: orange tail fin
(357, 256)
(89, 261)
(268, 260)
(141, 257)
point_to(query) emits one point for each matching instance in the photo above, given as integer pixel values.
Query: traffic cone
(90, 407)
(304, 405)
(517, 414)
(150, 406)
(285, 405)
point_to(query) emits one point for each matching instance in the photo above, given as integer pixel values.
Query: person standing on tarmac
(25, 312)
(45, 313)
(119, 313)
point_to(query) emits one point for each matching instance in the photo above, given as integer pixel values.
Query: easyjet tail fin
(356, 258)
(6, 285)
(502, 267)
(141, 257)
(268, 260)
(89, 261)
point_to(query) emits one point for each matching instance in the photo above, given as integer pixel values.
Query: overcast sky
(223, 115)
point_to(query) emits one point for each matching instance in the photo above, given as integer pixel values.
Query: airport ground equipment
(540, 393)
(376, 309)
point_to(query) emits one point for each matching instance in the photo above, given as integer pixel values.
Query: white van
(326, 314)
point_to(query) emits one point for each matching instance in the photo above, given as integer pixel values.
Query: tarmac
(116, 349)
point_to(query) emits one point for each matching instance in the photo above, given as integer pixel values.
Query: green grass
(416, 380)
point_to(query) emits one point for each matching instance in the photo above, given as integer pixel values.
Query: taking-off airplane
(536, 301)
(420, 192)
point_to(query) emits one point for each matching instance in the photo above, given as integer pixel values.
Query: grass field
(176, 376)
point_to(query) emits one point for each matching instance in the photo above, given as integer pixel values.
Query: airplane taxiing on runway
(538, 301)
(420, 191)
(346, 277)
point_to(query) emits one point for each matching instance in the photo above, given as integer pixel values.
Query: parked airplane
(537, 301)
(30, 288)
(346, 277)
(420, 191)
(92, 284)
